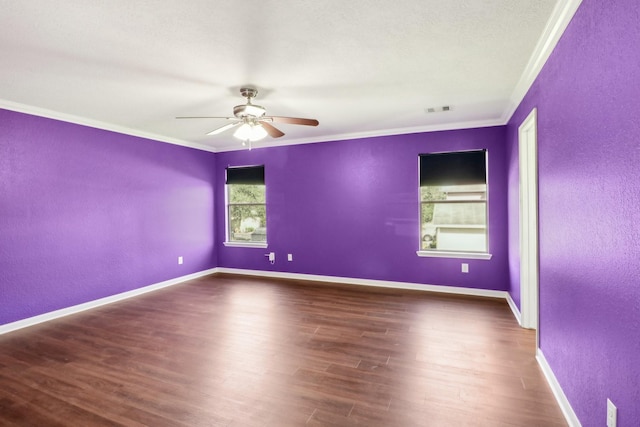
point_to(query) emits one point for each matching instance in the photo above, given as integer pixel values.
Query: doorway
(529, 266)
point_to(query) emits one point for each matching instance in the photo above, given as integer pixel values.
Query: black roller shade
(458, 168)
(246, 175)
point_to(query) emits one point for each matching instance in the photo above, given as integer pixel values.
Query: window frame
(228, 207)
(459, 254)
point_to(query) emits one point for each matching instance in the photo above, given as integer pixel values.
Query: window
(246, 206)
(453, 204)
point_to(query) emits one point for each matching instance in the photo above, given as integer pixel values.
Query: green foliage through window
(246, 214)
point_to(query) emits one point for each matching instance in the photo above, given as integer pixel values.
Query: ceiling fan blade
(294, 120)
(223, 128)
(206, 117)
(271, 130)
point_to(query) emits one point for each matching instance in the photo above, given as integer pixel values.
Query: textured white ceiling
(360, 67)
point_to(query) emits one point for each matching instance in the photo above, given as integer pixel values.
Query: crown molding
(558, 22)
(560, 18)
(70, 118)
(370, 134)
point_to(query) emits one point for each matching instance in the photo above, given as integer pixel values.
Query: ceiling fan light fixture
(250, 132)
(252, 122)
(258, 133)
(243, 132)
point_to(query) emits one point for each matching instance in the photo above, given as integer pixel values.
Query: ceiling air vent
(437, 109)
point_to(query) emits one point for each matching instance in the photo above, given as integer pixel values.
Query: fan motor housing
(248, 110)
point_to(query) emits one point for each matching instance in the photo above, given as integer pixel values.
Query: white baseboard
(9, 327)
(514, 309)
(562, 400)
(367, 282)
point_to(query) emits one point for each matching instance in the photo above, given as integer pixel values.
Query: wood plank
(243, 351)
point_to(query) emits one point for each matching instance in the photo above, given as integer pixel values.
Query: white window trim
(226, 227)
(452, 254)
(246, 244)
(456, 254)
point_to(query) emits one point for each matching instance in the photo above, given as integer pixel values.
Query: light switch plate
(465, 267)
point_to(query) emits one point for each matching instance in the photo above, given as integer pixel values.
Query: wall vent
(437, 109)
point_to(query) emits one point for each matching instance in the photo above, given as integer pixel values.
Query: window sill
(246, 244)
(460, 255)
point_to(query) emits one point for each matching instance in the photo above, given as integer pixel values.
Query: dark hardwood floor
(239, 351)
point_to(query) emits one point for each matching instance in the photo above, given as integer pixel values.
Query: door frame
(528, 220)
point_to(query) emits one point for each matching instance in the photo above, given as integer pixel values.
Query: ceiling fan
(252, 120)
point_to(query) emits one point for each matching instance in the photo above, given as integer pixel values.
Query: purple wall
(588, 100)
(350, 209)
(86, 213)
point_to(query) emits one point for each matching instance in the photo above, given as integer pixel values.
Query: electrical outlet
(465, 267)
(289, 257)
(612, 414)
(180, 260)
